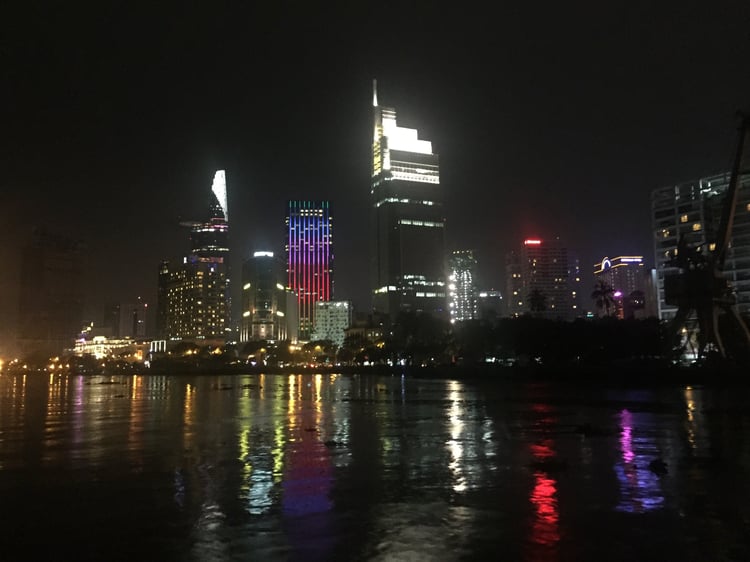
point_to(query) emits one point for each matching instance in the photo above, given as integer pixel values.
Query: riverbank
(634, 372)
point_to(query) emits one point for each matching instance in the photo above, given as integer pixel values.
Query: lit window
(684, 218)
(696, 226)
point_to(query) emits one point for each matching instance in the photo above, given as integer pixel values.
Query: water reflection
(321, 466)
(545, 531)
(640, 487)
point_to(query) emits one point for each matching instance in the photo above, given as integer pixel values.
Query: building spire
(374, 92)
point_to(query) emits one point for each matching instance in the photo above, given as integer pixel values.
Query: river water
(338, 467)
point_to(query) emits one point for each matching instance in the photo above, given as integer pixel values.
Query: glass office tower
(408, 254)
(194, 296)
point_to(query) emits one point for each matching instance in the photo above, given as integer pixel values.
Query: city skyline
(553, 125)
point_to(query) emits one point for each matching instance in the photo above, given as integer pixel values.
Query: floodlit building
(269, 309)
(693, 210)
(408, 254)
(332, 319)
(309, 263)
(194, 296)
(626, 276)
(543, 279)
(462, 286)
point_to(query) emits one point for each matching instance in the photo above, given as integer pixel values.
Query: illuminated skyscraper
(269, 309)
(543, 280)
(309, 239)
(461, 286)
(625, 275)
(409, 270)
(196, 295)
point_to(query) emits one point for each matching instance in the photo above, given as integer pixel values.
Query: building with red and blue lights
(309, 258)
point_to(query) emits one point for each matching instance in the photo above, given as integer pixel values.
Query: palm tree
(537, 301)
(604, 297)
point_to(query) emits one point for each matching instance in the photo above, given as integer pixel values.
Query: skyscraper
(625, 275)
(462, 286)
(51, 300)
(692, 211)
(408, 255)
(332, 319)
(269, 309)
(543, 280)
(309, 242)
(196, 297)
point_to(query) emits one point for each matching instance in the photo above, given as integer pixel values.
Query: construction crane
(706, 300)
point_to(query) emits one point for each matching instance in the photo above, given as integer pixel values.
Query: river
(345, 467)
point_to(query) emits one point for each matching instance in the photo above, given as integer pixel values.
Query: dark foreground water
(325, 467)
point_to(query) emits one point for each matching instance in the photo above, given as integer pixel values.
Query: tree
(633, 302)
(604, 298)
(537, 301)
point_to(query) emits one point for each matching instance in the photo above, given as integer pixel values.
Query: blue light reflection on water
(313, 466)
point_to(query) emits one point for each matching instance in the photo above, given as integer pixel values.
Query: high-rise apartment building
(626, 276)
(692, 211)
(51, 298)
(543, 279)
(408, 254)
(462, 286)
(622, 273)
(309, 263)
(195, 301)
(332, 319)
(269, 309)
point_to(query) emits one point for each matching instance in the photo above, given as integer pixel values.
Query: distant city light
(532, 242)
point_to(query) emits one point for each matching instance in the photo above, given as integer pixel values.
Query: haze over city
(553, 122)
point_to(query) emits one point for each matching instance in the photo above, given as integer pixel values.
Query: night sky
(550, 120)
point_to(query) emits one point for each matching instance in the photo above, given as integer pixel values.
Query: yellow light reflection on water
(690, 411)
(456, 426)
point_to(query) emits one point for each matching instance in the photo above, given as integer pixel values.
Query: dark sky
(550, 119)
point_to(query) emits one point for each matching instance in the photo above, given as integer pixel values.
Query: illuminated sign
(532, 242)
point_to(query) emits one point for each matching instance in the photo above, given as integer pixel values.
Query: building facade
(309, 258)
(490, 305)
(50, 306)
(692, 211)
(543, 279)
(408, 238)
(462, 286)
(332, 319)
(132, 320)
(627, 277)
(194, 296)
(269, 309)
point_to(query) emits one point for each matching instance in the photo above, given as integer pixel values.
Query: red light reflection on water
(545, 530)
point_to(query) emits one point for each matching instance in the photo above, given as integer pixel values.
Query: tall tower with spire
(408, 237)
(194, 296)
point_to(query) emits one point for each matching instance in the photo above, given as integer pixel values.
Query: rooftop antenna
(374, 92)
